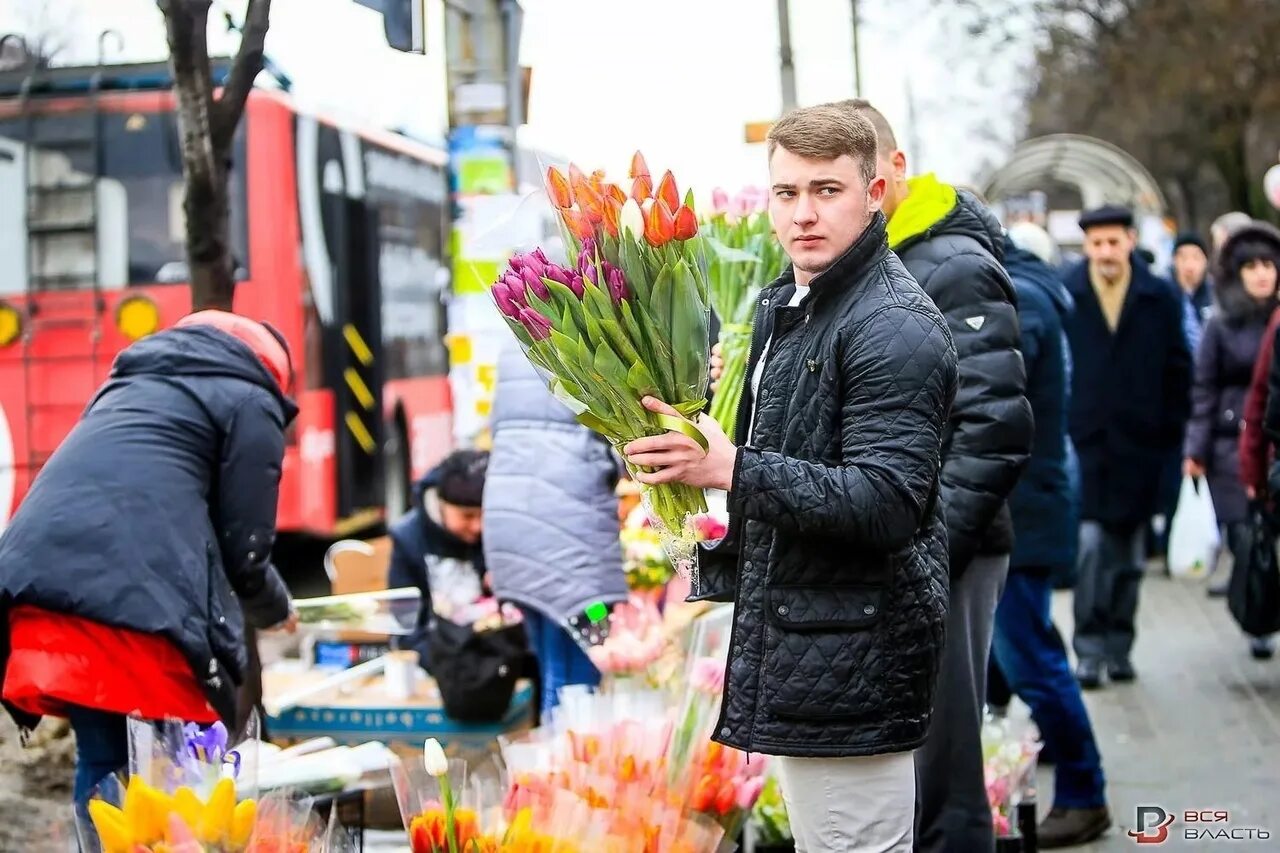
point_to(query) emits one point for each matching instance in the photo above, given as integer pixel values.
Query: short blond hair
(824, 133)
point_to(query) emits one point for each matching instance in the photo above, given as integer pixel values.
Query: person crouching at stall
(128, 572)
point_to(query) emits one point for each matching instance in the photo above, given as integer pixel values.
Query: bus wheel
(395, 455)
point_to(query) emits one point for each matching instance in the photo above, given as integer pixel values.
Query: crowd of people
(943, 427)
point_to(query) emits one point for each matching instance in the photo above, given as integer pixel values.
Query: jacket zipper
(753, 353)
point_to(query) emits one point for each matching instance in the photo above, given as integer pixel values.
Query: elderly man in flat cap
(1129, 405)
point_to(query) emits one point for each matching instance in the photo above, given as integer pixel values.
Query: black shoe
(1121, 671)
(1262, 648)
(1089, 673)
(1070, 827)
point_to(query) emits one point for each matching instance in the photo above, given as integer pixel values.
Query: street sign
(757, 131)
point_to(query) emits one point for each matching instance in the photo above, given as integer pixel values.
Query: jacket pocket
(823, 655)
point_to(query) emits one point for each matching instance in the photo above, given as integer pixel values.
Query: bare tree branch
(244, 70)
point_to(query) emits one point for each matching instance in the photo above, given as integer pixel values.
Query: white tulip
(631, 219)
(434, 759)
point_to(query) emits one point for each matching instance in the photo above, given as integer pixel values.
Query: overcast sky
(613, 75)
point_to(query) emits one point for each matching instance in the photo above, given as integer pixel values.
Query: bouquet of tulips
(744, 256)
(628, 318)
(1009, 766)
(189, 793)
(606, 755)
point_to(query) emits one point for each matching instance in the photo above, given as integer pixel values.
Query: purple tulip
(539, 327)
(535, 261)
(576, 285)
(559, 274)
(506, 304)
(515, 287)
(535, 283)
(617, 285)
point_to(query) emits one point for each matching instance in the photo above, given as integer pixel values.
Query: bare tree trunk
(208, 126)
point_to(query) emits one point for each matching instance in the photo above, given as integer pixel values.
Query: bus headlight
(10, 324)
(137, 317)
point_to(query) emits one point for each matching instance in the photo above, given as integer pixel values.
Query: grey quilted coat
(837, 542)
(550, 511)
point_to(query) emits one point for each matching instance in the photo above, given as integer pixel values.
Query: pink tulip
(534, 282)
(708, 676)
(506, 304)
(749, 791)
(719, 200)
(539, 327)
(709, 528)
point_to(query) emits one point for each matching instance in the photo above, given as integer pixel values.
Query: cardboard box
(365, 712)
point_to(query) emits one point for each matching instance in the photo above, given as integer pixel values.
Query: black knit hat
(462, 476)
(1191, 238)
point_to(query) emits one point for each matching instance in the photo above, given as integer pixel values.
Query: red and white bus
(339, 235)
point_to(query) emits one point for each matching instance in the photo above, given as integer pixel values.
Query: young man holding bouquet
(836, 555)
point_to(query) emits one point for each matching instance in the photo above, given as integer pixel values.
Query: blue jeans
(1031, 654)
(102, 748)
(561, 661)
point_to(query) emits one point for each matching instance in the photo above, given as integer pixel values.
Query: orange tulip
(616, 192)
(642, 189)
(428, 832)
(590, 202)
(704, 795)
(558, 188)
(612, 214)
(667, 190)
(639, 168)
(659, 224)
(597, 181)
(577, 223)
(686, 223)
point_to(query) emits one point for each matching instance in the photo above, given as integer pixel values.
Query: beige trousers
(837, 805)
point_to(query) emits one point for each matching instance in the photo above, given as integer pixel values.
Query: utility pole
(913, 138)
(857, 62)
(788, 68)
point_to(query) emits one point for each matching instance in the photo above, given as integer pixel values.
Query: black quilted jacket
(988, 439)
(836, 536)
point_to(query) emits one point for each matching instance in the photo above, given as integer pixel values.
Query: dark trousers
(952, 809)
(102, 748)
(1106, 602)
(1031, 654)
(561, 661)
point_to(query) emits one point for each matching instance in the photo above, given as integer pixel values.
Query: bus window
(140, 227)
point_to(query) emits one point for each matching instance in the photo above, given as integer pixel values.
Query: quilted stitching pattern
(833, 513)
(989, 434)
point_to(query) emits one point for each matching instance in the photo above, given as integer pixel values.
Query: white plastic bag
(1193, 536)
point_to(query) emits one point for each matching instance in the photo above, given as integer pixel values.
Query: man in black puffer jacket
(836, 555)
(953, 246)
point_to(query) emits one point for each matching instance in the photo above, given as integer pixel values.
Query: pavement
(1198, 731)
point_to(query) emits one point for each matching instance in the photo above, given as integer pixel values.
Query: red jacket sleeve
(1253, 441)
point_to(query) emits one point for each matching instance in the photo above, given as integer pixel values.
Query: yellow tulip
(113, 830)
(156, 805)
(216, 821)
(135, 809)
(242, 820)
(188, 806)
